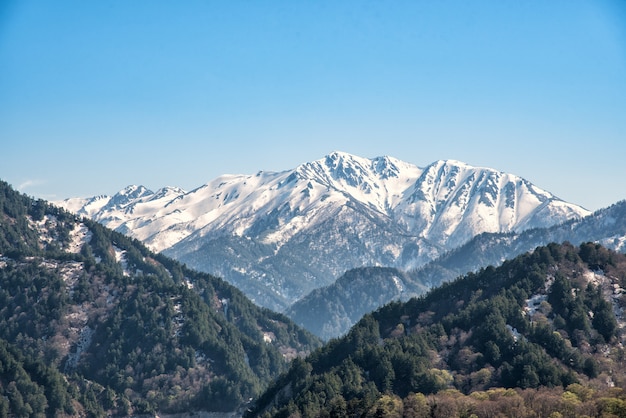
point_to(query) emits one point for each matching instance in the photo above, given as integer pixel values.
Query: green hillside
(540, 334)
(93, 324)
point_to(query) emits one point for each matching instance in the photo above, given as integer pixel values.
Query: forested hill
(94, 324)
(538, 335)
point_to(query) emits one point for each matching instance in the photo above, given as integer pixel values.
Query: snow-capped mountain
(279, 235)
(332, 310)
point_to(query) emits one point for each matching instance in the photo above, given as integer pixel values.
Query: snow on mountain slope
(452, 202)
(290, 232)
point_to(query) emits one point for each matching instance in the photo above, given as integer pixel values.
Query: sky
(98, 95)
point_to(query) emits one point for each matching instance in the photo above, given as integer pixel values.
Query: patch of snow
(49, 264)
(394, 250)
(239, 269)
(79, 236)
(120, 257)
(516, 335)
(82, 345)
(70, 272)
(533, 304)
(43, 227)
(611, 291)
(200, 357)
(178, 319)
(594, 277)
(398, 283)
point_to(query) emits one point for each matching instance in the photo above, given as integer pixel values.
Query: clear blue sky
(96, 95)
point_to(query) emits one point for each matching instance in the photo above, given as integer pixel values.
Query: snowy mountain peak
(167, 191)
(377, 178)
(328, 215)
(128, 195)
(348, 168)
(386, 167)
(336, 170)
(456, 201)
(134, 191)
(348, 165)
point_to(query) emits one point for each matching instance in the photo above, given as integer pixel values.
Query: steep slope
(457, 202)
(324, 311)
(548, 319)
(277, 236)
(331, 311)
(93, 323)
(606, 226)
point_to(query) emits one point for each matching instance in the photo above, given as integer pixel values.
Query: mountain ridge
(392, 212)
(327, 313)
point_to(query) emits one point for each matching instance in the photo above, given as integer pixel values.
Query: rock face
(277, 236)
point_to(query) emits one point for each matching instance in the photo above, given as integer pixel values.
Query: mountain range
(93, 323)
(330, 311)
(279, 235)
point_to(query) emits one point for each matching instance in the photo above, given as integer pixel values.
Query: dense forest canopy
(92, 323)
(541, 325)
